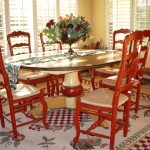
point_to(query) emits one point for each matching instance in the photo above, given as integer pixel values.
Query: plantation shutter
(142, 14)
(2, 27)
(21, 17)
(67, 7)
(118, 15)
(132, 14)
(46, 10)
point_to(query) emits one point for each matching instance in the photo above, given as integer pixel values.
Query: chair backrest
(118, 38)
(4, 80)
(128, 66)
(19, 42)
(143, 54)
(49, 46)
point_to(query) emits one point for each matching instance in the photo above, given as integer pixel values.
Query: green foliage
(68, 30)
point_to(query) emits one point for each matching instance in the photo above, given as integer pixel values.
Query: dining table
(62, 62)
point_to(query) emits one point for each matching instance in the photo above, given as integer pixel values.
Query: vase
(70, 49)
(71, 41)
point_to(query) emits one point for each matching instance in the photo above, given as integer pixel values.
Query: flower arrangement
(68, 30)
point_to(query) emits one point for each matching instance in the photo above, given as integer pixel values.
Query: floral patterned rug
(61, 131)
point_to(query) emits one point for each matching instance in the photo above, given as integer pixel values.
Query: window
(31, 16)
(2, 26)
(52, 9)
(131, 14)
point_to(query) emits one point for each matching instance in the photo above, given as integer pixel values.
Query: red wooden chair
(105, 102)
(18, 100)
(19, 43)
(56, 79)
(110, 81)
(118, 38)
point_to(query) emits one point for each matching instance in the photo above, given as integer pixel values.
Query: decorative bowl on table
(68, 30)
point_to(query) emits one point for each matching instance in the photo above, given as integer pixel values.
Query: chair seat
(21, 91)
(102, 97)
(32, 75)
(112, 81)
(108, 70)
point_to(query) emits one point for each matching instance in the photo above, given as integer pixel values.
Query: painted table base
(72, 89)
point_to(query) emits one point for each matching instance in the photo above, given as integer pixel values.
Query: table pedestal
(71, 89)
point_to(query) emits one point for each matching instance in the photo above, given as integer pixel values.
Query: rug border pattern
(134, 138)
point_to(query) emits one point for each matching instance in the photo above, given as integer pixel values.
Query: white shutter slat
(132, 14)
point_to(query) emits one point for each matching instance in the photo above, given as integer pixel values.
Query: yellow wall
(98, 19)
(93, 11)
(84, 9)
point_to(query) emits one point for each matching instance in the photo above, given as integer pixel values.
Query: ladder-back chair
(46, 46)
(110, 81)
(18, 100)
(118, 38)
(19, 43)
(105, 102)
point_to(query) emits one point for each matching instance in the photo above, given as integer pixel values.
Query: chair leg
(57, 85)
(92, 82)
(1, 115)
(93, 78)
(137, 98)
(113, 130)
(126, 117)
(44, 110)
(77, 124)
(13, 120)
(50, 91)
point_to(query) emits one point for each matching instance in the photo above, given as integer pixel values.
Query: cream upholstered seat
(32, 75)
(112, 81)
(21, 91)
(102, 97)
(109, 70)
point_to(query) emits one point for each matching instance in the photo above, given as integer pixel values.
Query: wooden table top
(68, 64)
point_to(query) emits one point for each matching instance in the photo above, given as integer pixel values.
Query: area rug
(61, 131)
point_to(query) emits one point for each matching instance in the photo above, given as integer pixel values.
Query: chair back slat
(50, 46)
(128, 66)
(118, 37)
(19, 42)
